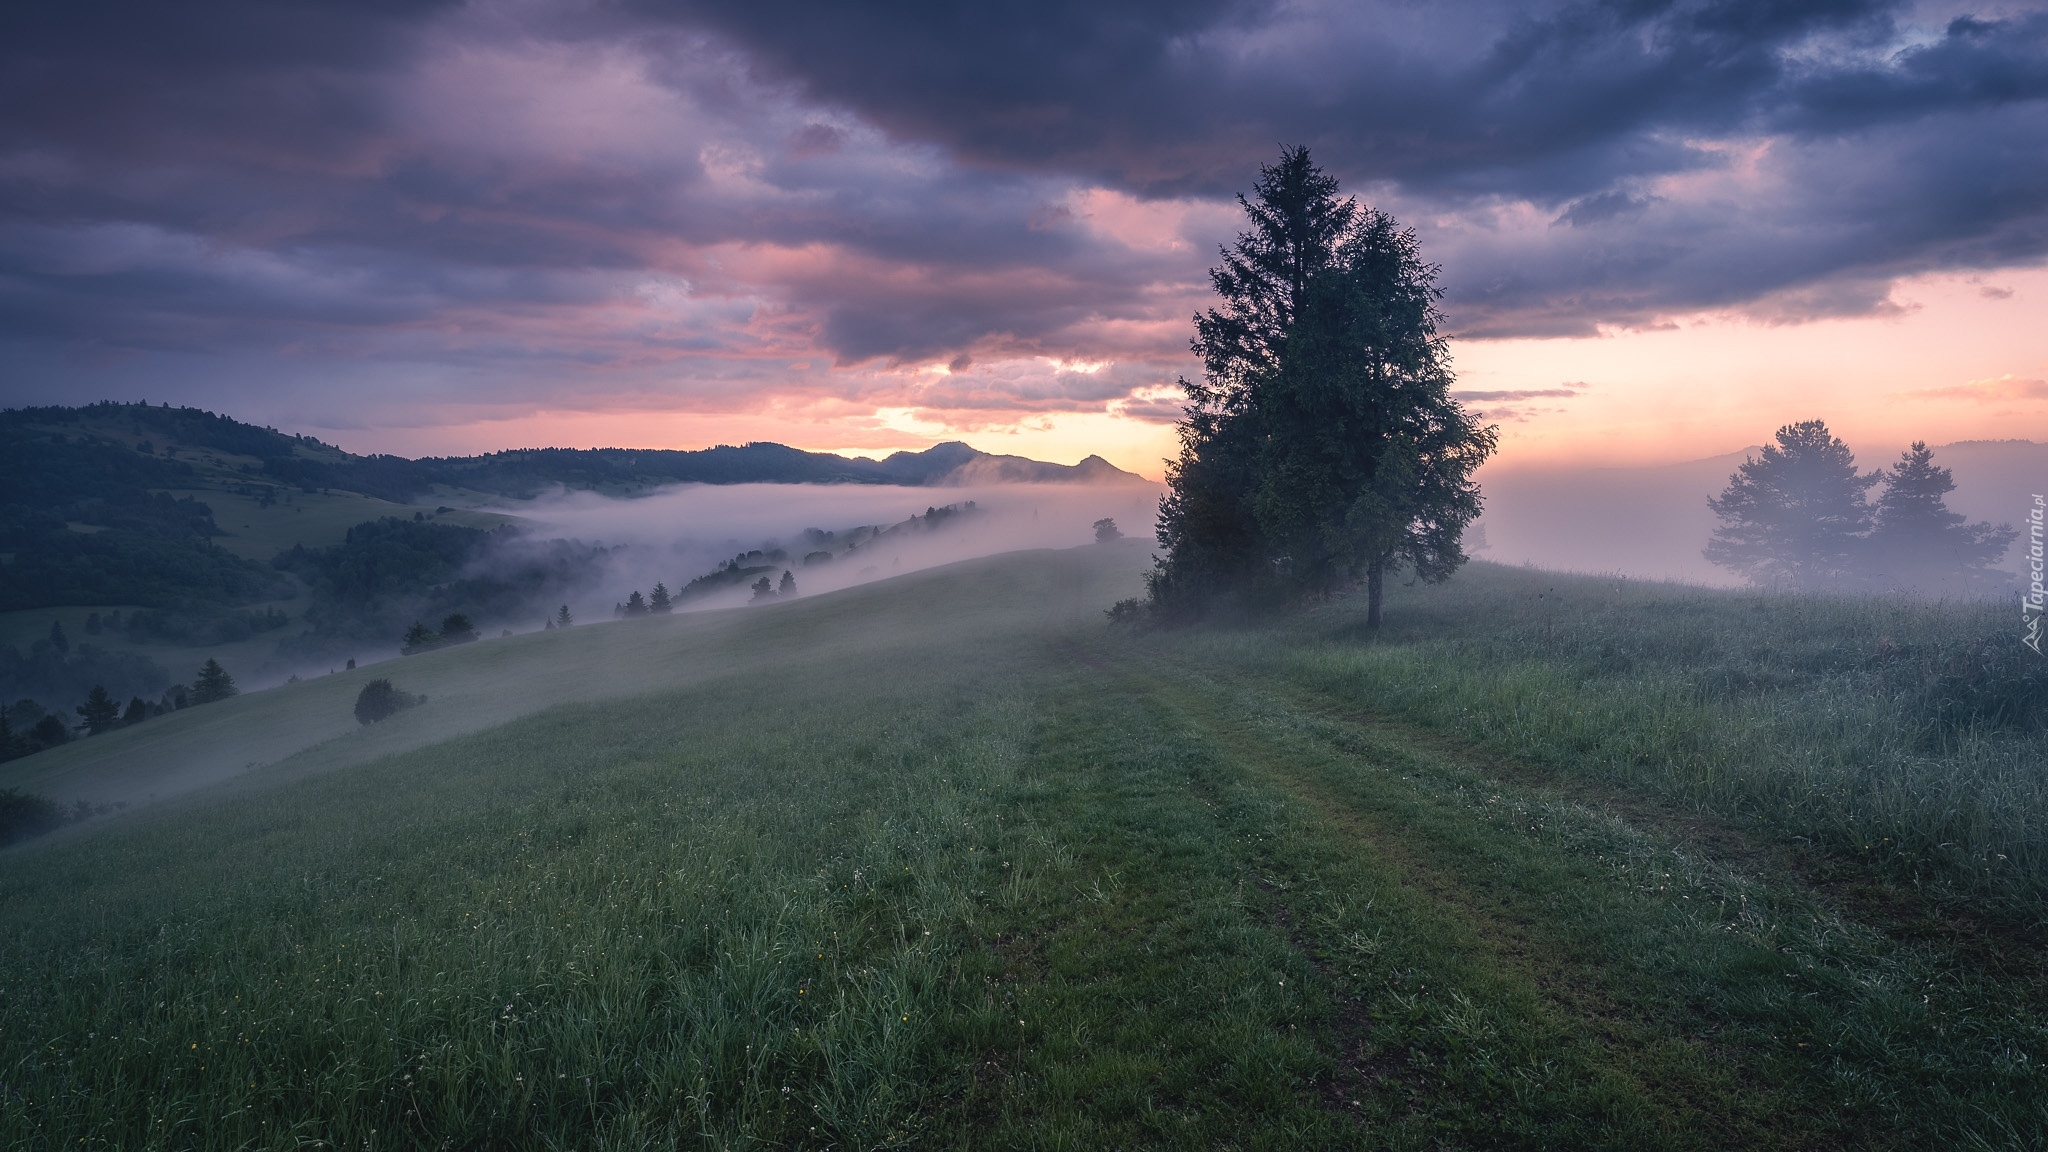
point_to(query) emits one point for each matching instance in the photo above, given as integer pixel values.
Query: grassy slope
(942, 861)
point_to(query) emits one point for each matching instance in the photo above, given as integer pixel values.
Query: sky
(426, 227)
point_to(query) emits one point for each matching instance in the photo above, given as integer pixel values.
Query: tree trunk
(1375, 586)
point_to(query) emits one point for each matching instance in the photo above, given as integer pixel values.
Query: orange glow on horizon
(1960, 357)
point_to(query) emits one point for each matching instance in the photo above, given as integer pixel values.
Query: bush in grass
(379, 700)
(25, 815)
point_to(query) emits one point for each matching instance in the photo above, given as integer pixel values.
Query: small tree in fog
(1795, 513)
(788, 585)
(418, 637)
(49, 732)
(763, 590)
(456, 629)
(58, 640)
(1919, 544)
(138, 711)
(1106, 530)
(657, 601)
(563, 619)
(213, 683)
(379, 700)
(636, 605)
(100, 712)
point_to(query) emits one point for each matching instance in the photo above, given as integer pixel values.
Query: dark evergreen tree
(100, 712)
(418, 638)
(1323, 443)
(1795, 515)
(138, 711)
(636, 605)
(763, 590)
(788, 585)
(1205, 520)
(456, 629)
(1365, 461)
(213, 683)
(657, 601)
(58, 640)
(1917, 544)
(563, 619)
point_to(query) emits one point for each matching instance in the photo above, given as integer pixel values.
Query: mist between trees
(1797, 516)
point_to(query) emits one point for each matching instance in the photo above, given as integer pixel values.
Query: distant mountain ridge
(523, 473)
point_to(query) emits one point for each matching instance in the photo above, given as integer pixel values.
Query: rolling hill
(945, 860)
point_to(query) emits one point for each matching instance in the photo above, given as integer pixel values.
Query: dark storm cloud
(1571, 106)
(594, 184)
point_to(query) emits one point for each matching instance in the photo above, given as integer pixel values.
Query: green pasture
(947, 861)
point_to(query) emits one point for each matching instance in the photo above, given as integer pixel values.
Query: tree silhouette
(138, 711)
(379, 700)
(49, 732)
(657, 601)
(788, 585)
(417, 638)
(563, 619)
(1794, 514)
(1106, 530)
(456, 629)
(635, 605)
(100, 712)
(763, 590)
(1918, 544)
(213, 683)
(58, 640)
(1322, 442)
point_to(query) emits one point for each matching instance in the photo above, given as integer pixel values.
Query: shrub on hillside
(25, 815)
(379, 700)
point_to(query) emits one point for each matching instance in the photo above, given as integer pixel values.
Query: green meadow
(950, 861)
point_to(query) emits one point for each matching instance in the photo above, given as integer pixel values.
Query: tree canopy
(1797, 516)
(213, 683)
(1917, 544)
(1322, 443)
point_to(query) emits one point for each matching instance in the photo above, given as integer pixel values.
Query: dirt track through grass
(1559, 959)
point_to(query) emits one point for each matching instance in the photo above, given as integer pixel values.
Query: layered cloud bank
(882, 226)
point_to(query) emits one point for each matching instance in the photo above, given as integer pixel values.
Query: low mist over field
(678, 534)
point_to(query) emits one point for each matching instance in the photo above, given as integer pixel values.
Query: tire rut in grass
(1563, 994)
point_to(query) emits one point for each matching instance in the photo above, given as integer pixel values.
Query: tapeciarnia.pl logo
(2035, 599)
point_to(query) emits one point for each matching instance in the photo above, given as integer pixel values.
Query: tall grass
(1914, 735)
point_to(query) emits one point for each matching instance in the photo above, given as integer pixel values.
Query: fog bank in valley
(678, 534)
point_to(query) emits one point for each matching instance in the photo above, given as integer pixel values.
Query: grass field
(945, 861)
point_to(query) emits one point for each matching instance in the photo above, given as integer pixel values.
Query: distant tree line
(26, 727)
(1798, 516)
